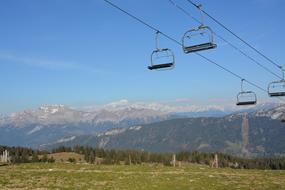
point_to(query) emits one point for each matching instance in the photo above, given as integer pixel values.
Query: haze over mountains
(155, 127)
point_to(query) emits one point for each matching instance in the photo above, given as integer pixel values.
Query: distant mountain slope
(248, 134)
(49, 123)
(52, 122)
(59, 124)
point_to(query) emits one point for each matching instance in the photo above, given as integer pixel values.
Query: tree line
(95, 155)
(139, 157)
(25, 155)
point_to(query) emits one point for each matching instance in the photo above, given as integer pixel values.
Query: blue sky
(83, 53)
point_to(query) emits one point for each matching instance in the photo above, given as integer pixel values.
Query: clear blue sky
(85, 52)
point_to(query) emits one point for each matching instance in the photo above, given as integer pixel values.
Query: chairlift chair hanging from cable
(277, 88)
(204, 41)
(245, 97)
(161, 59)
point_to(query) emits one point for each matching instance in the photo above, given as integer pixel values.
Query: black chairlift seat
(200, 47)
(160, 66)
(161, 58)
(195, 46)
(276, 94)
(246, 103)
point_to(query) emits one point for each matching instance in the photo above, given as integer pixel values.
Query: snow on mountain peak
(172, 107)
(118, 104)
(166, 108)
(52, 108)
(67, 139)
(277, 112)
(121, 111)
(61, 115)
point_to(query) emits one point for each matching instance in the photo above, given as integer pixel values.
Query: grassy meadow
(148, 177)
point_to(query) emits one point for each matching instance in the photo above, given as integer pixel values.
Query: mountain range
(247, 134)
(154, 127)
(50, 123)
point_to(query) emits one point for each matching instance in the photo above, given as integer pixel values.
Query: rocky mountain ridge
(246, 134)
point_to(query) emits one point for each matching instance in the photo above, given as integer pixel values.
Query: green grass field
(87, 176)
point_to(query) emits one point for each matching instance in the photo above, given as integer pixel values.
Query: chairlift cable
(226, 41)
(231, 72)
(180, 44)
(238, 37)
(140, 20)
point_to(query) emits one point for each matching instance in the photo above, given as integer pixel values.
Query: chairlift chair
(277, 88)
(200, 31)
(245, 98)
(161, 59)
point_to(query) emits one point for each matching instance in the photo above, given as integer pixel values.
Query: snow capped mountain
(186, 110)
(123, 104)
(46, 115)
(117, 112)
(53, 108)
(60, 114)
(161, 107)
(275, 113)
(52, 122)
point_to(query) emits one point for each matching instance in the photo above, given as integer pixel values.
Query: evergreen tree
(91, 157)
(44, 158)
(35, 157)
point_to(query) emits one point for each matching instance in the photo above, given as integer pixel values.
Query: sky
(82, 53)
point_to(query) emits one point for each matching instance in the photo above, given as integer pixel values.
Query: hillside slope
(239, 134)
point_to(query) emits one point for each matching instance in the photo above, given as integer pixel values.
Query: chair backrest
(198, 39)
(276, 88)
(246, 98)
(162, 59)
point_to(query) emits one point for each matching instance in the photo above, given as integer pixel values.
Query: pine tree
(35, 157)
(91, 157)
